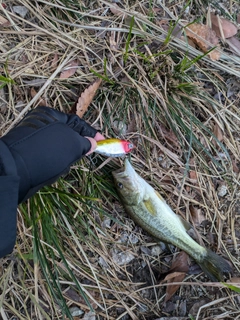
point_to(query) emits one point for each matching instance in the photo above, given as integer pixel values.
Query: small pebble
(76, 312)
(21, 10)
(156, 250)
(222, 190)
(122, 257)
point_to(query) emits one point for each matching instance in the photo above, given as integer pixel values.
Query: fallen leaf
(235, 166)
(155, 10)
(190, 42)
(86, 98)
(113, 43)
(69, 70)
(40, 102)
(197, 215)
(169, 135)
(234, 44)
(176, 273)
(102, 33)
(76, 297)
(3, 101)
(196, 306)
(170, 291)
(217, 131)
(54, 61)
(164, 24)
(115, 9)
(180, 263)
(223, 27)
(193, 175)
(205, 38)
(4, 22)
(235, 280)
(177, 31)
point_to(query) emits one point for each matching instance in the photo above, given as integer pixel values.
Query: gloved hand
(45, 144)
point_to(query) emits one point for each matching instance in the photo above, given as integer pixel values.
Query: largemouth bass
(114, 147)
(149, 210)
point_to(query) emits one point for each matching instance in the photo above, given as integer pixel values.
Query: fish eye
(130, 146)
(120, 185)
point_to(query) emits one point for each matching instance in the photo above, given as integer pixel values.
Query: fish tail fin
(215, 266)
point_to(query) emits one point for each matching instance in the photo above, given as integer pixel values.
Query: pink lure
(114, 147)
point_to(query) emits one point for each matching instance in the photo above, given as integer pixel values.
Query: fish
(151, 212)
(114, 147)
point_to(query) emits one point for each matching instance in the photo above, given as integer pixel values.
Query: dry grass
(70, 235)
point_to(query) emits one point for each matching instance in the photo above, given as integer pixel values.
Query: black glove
(44, 145)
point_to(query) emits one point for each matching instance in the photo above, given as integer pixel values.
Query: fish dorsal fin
(150, 207)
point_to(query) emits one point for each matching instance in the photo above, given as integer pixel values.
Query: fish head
(128, 184)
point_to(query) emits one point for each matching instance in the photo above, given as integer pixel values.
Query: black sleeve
(9, 185)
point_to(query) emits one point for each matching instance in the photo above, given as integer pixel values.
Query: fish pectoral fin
(187, 225)
(159, 196)
(150, 207)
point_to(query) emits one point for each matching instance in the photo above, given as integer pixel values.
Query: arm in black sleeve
(33, 154)
(9, 187)
(44, 145)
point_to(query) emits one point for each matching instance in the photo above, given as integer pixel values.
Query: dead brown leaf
(235, 166)
(4, 22)
(40, 102)
(197, 215)
(74, 296)
(234, 44)
(169, 135)
(193, 175)
(217, 131)
(156, 10)
(115, 9)
(190, 42)
(176, 273)
(69, 70)
(205, 38)
(54, 61)
(235, 280)
(86, 98)
(113, 43)
(223, 27)
(164, 24)
(171, 290)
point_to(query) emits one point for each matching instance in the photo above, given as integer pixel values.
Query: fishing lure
(114, 147)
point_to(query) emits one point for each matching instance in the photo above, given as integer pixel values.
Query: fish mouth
(125, 171)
